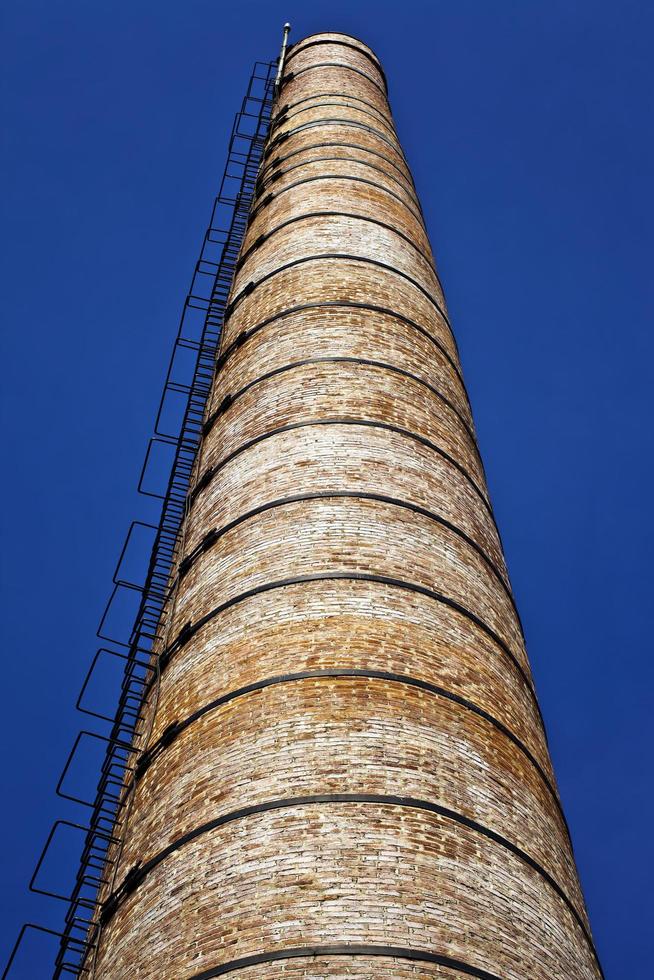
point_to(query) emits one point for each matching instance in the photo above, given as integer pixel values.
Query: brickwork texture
(347, 773)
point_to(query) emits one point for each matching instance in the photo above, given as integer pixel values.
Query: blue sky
(529, 129)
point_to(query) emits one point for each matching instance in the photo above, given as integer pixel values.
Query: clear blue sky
(528, 124)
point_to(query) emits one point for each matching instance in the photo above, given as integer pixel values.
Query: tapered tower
(345, 770)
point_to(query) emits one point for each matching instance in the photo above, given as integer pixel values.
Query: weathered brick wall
(348, 774)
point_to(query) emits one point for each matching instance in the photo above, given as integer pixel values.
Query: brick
(340, 442)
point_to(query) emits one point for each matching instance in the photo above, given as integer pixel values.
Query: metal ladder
(206, 302)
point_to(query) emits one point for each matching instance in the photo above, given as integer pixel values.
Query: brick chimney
(347, 774)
